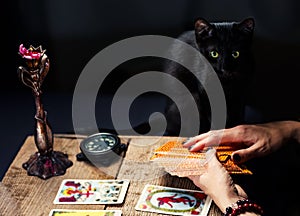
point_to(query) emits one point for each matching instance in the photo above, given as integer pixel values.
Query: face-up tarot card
(71, 212)
(76, 191)
(174, 201)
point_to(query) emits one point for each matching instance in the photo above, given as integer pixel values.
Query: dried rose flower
(31, 53)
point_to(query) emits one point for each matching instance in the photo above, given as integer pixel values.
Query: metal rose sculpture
(46, 162)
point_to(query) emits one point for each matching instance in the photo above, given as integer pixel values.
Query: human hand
(257, 140)
(217, 183)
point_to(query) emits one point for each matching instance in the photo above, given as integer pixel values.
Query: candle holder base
(46, 166)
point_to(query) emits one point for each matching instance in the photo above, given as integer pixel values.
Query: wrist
(243, 207)
(223, 204)
(223, 201)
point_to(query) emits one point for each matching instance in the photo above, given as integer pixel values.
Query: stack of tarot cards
(179, 161)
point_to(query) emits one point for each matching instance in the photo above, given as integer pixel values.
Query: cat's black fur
(226, 38)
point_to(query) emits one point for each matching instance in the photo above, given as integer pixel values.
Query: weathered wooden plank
(34, 196)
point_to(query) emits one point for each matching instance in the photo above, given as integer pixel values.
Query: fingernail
(191, 147)
(236, 158)
(187, 140)
(210, 151)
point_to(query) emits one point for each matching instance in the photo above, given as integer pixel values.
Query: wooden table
(21, 194)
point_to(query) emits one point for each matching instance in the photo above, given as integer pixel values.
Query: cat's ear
(247, 25)
(203, 29)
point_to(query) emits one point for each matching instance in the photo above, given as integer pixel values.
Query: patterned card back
(179, 161)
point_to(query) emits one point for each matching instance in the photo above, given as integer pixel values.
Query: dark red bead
(241, 202)
(233, 212)
(242, 207)
(228, 210)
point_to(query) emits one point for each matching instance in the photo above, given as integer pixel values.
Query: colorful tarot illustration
(76, 191)
(174, 201)
(74, 212)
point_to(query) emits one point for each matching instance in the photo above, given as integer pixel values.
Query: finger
(231, 135)
(209, 139)
(208, 142)
(198, 141)
(243, 155)
(197, 147)
(189, 142)
(193, 140)
(240, 191)
(194, 179)
(234, 136)
(211, 157)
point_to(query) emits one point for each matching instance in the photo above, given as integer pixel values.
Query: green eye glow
(214, 54)
(235, 54)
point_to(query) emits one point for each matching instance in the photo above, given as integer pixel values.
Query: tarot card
(173, 201)
(177, 160)
(84, 191)
(71, 212)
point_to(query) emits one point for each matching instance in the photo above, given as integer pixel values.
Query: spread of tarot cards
(85, 191)
(179, 161)
(173, 201)
(73, 212)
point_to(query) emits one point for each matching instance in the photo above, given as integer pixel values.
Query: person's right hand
(257, 140)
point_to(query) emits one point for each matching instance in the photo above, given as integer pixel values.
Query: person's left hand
(217, 183)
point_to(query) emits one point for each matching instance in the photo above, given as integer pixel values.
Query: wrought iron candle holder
(46, 162)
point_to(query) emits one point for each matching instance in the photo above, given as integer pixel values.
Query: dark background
(72, 32)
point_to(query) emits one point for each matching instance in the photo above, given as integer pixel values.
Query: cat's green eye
(235, 54)
(214, 54)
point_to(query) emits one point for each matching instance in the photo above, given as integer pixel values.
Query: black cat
(227, 47)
